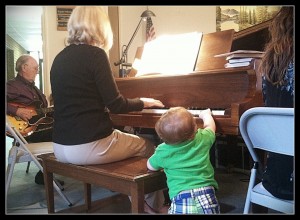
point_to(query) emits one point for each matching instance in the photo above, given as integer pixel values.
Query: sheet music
(172, 54)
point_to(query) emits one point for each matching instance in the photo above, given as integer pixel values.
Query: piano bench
(129, 177)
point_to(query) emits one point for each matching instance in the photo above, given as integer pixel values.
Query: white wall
(53, 43)
(168, 20)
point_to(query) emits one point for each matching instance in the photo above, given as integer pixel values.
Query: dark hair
(279, 51)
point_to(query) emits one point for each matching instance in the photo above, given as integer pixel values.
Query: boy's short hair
(176, 125)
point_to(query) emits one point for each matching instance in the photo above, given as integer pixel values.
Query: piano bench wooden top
(132, 169)
(130, 177)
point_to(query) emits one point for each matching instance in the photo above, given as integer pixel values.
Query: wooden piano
(230, 91)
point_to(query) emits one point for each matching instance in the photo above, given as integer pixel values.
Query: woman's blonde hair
(90, 25)
(176, 125)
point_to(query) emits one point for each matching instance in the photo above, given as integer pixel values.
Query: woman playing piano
(84, 92)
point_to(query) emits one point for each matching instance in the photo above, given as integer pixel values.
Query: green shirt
(187, 165)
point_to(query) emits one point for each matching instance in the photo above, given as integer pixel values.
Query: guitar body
(24, 128)
(39, 117)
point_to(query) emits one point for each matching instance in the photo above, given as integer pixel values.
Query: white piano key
(193, 111)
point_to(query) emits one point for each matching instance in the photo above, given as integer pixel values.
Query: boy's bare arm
(150, 167)
(208, 120)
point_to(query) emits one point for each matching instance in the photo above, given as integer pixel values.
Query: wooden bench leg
(137, 198)
(48, 177)
(87, 196)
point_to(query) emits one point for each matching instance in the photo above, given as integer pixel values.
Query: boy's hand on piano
(208, 121)
(205, 112)
(150, 103)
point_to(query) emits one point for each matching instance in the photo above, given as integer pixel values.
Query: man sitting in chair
(27, 104)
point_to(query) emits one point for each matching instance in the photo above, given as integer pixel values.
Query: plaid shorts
(196, 201)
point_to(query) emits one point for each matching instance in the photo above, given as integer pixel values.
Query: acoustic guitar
(39, 117)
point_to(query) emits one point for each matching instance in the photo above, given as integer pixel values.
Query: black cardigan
(84, 89)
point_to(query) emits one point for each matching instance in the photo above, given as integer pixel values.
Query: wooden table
(129, 177)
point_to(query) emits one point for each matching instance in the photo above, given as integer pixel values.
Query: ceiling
(23, 24)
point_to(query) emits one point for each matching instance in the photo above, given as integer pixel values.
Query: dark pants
(40, 136)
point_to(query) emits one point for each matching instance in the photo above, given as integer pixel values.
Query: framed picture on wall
(242, 17)
(62, 16)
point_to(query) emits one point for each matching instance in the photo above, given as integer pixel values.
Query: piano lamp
(123, 61)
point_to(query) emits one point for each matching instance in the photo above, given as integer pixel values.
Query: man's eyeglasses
(35, 68)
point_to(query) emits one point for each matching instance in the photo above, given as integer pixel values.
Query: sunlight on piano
(207, 84)
(169, 54)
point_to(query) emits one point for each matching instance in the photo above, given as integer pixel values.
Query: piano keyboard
(193, 111)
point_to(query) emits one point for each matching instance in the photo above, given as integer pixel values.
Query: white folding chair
(272, 130)
(22, 151)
